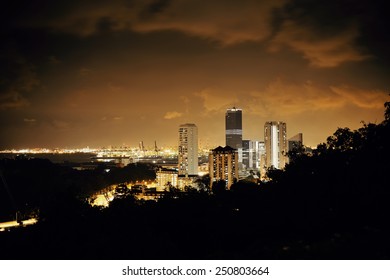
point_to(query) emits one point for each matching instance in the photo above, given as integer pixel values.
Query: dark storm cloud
(225, 21)
(17, 79)
(156, 7)
(329, 33)
(326, 33)
(143, 64)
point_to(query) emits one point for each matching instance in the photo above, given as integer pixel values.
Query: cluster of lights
(49, 151)
(104, 152)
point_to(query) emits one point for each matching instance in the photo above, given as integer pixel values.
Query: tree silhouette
(330, 204)
(218, 187)
(203, 183)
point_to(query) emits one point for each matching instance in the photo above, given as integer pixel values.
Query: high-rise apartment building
(233, 121)
(262, 160)
(188, 149)
(275, 138)
(223, 165)
(166, 178)
(250, 154)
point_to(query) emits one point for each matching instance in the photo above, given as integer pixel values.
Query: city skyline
(117, 73)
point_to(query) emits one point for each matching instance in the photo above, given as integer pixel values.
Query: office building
(233, 124)
(275, 139)
(295, 142)
(188, 149)
(223, 165)
(295, 146)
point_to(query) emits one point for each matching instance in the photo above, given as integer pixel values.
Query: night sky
(98, 73)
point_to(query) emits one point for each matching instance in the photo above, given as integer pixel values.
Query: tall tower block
(233, 121)
(275, 138)
(223, 165)
(188, 149)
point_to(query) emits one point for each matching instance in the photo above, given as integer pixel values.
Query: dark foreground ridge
(332, 204)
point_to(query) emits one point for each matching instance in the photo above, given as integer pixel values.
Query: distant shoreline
(78, 157)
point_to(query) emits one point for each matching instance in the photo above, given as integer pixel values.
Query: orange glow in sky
(118, 72)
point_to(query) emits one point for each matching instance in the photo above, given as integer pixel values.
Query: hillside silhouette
(331, 204)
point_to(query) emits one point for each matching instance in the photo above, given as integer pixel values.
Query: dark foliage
(35, 182)
(332, 204)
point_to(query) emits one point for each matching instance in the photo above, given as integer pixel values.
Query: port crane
(156, 149)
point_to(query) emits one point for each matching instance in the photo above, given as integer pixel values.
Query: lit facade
(262, 159)
(250, 155)
(223, 165)
(188, 149)
(275, 139)
(166, 177)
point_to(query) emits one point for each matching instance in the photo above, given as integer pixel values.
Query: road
(10, 224)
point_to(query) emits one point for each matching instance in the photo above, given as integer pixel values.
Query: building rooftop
(223, 149)
(234, 109)
(188, 124)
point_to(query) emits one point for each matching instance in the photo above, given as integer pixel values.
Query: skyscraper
(275, 138)
(223, 165)
(188, 149)
(233, 123)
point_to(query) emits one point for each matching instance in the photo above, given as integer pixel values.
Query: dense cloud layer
(114, 72)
